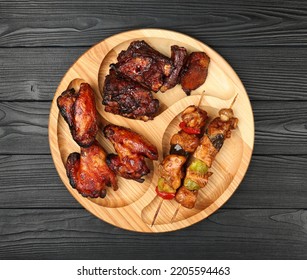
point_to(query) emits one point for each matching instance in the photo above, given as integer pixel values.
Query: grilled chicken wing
(131, 150)
(195, 71)
(178, 56)
(125, 97)
(79, 111)
(89, 173)
(144, 65)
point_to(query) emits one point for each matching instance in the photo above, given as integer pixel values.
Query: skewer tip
(233, 101)
(201, 98)
(157, 212)
(176, 212)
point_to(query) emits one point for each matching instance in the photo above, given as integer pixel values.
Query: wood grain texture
(31, 181)
(248, 23)
(263, 71)
(280, 127)
(228, 234)
(133, 206)
(24, 127)
(264, 41)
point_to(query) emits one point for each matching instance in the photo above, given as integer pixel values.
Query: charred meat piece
(178, 56)
(144, 65)
(89, 173)
(194, 72)
(131, 150)
(186, 197)
(79, 111)
(123, 96)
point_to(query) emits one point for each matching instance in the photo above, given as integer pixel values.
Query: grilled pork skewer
(197, 174)
(183, 144)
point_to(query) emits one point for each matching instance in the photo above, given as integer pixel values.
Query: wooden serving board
(133, 205)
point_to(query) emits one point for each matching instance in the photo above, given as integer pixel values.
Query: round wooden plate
(134, 204)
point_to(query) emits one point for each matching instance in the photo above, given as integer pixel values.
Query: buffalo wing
(79, 111)
(131, 150)
(89, 173)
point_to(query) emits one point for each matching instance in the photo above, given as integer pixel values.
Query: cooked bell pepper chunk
(198, 166)
(165, 195)
(189, 130)
(164, 190)
(191, 185)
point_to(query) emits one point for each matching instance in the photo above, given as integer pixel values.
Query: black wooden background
(264, 41)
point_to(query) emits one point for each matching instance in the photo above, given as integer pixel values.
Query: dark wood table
(264, 41)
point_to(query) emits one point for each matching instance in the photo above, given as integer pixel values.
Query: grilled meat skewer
(197, 174)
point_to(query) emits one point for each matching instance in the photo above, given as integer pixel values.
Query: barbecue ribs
(178, 56)
(144, 65)
(127, 98)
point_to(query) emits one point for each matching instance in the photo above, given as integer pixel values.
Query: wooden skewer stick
(157, 212)
(176, 212)
(160, 204)
(232, 103)
(201, 98)
(179, 205)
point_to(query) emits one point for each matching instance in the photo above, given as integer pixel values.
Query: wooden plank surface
(220, 23)
(280, 126)
(264, 41)
(31, 181)
(228, 234)
(38, 78)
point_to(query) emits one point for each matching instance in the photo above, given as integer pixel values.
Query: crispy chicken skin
(89, 173)
(131, 148)
(130, 167)
(125, 97)
(178, 57)
(79, 111)
(144, 65)
(195, 71)
(186, 197)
